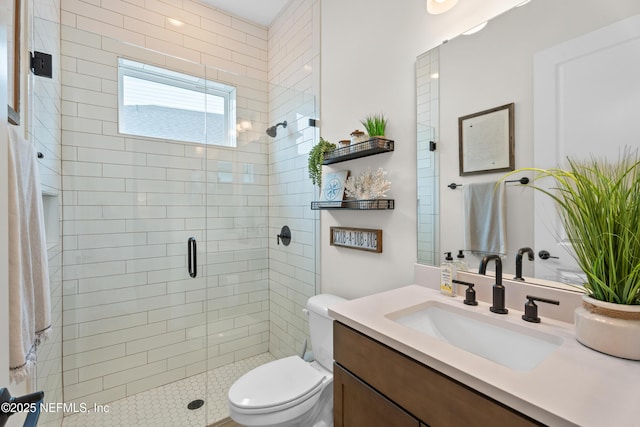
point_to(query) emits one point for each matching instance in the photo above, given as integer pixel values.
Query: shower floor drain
(195, 404)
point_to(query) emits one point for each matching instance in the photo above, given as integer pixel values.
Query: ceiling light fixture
(436, 7)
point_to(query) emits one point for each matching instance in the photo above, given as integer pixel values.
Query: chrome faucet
(521, 252)
(498, 288)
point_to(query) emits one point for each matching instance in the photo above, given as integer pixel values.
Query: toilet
(290, 391)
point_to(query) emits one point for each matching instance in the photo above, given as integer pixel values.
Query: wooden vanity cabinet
(375, 385)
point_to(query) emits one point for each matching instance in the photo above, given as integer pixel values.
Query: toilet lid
(275, 383)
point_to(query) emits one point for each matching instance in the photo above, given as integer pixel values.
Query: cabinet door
(358, 405)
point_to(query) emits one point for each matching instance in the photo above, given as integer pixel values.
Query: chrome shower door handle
(192, 257)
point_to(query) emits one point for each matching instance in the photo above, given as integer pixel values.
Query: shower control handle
(192, 257)
(284, 236)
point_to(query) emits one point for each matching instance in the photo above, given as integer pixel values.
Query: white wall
(368, 52)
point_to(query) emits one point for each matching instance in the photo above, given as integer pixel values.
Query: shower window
(159, 103)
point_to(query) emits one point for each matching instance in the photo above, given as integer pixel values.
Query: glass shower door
(257, 286)
(174, 282)
(134, 313)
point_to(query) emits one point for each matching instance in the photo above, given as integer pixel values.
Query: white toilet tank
(321, 328)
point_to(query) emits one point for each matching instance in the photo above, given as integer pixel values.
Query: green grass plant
(599, 205)
(375, 124)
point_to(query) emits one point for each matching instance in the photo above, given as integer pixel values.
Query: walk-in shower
(173, 281)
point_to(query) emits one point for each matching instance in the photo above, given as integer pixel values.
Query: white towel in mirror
(485, 218)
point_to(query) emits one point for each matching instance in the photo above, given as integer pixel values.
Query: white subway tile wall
(136, 202)
(44, 123)
(133, 319)
(294, 58)
(427, 172)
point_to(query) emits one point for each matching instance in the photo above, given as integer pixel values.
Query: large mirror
(547, 57)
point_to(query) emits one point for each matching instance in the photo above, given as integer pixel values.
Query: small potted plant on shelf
(598, 204)
(368, 187)
(316, 157)
(375, 125)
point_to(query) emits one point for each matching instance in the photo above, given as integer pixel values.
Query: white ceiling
(261, 11)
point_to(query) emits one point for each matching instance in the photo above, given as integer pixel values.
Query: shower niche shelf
(369, 204)
(362, 149)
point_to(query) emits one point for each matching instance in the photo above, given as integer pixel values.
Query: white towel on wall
(485, 218)
(29, 297)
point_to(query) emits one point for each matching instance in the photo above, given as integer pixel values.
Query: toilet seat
(275, 386)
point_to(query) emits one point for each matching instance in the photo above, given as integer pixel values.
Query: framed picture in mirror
(486, 141)
(13, 61)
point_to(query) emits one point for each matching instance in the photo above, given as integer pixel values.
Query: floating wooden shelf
(367, 148)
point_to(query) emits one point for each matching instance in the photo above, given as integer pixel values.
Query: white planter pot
(612, 329)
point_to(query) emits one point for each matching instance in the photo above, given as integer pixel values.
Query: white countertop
(573, 386)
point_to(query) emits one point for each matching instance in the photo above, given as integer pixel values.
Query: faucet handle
(470, 293)
(531, 309)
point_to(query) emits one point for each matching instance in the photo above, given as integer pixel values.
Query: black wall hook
(42, 64)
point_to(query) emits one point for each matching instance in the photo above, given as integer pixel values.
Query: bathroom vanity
(390, 370)
(373, 383)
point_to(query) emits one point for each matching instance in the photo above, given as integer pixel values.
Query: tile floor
(167, 405)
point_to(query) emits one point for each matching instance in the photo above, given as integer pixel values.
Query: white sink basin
(514, 346)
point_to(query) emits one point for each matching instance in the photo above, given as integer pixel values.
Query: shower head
(273, 130)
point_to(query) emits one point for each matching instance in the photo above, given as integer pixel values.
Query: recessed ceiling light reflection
(475, 29)
(175, 22)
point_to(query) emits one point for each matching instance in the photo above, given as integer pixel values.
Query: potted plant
(375, 124)
(598, 203)
(316, 157)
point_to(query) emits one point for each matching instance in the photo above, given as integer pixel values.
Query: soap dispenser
(460, 263)
(447, 274)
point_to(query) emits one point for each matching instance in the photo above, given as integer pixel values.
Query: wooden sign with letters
(365, 239)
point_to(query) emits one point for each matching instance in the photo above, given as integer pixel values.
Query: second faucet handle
(470, 294)
(531, 309)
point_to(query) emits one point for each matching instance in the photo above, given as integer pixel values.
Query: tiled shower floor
(167, 405)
